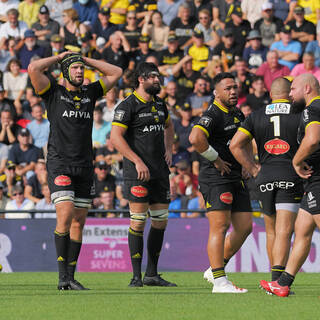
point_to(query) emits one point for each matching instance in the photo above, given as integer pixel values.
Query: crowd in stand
(190, 42)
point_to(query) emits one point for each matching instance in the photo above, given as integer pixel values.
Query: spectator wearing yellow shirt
(118, 10)
(199, 52)
(28, 11)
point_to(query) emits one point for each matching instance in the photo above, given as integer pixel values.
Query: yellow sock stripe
(280, 270)
(61, 234)
(78, 241)
(72, 263)
(139, 234)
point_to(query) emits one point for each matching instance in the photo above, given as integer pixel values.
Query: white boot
(223, 285)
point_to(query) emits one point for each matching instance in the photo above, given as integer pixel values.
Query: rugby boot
(208, 275)
(273, 287)
(227, 287)
(76, 285)
(63, 284)
(135, 282)
(157, 281)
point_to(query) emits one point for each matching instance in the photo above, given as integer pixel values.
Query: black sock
(155, 240)
(62, 241)
(135, 240)
(218, 273)
(73, 254)
(286, 279)
(276, 272)
(225, 261)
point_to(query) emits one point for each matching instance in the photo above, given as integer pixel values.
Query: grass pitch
(34, 296)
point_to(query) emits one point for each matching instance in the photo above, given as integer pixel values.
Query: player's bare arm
(199, 141)
(308, 146)
(117, 139)
(241, 148)
(111, 73)
(168, 141)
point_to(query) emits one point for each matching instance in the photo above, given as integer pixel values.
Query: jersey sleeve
(97, 89)
(122, 115)
(207, 122)
(247, 127)
(48, 91)
(311, 115)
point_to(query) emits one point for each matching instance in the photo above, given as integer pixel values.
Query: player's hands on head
(63, 54)
(222, 166)
(303, 170)
(143, 171)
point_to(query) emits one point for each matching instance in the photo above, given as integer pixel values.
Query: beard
(153, 89)
(298, 106)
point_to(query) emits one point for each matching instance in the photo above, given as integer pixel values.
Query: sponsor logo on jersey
(236, 120)
(153, 109)
(311, 200)
(205, 121)
(145, 114)
(118, 115)
(62, 181)
(305, 115)
(277, 146)
(139, 191)
(270, 186)
(156, 118)
(153, 128)
(283, 108)
(233, 126)
(226, 197)
(76, 114)
(208, 205)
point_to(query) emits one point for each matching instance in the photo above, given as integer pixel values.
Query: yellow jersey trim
(280, 100)
(104, 87)
(224, 109)
(315, 98)
(203, 129)
(168, 118)
(245, 131)
(312, 122)
(119, 125)
(45, 89)
(139, 97)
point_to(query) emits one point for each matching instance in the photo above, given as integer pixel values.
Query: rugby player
(142, 132)
(70, 157)
(280, 189)
(305, 91)
(226, 197)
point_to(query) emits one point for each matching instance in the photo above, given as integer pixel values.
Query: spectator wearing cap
(102, 179)
(118, 10)
(251, 12)
(24, 154)
(307, 66)
(199, 52)
(29, 49)
(170, 56)
(183, 25)
(312, 9)
(13, 28)
(117, 52)
(269, 26)
(39, 127)
(302, 30)
(100, 128)
(33, 190)
(102, 26)
(142, 53)
(56, 9)
(240, 26)
(87, 11)
(18, 202)
(11, 178)
(183, 126)
(6, 5)
(289, 51)
(131, 30)
(156, 30)
(45, 27)
(228, 51)
(272, 69)
(260, 97)
(205, 21)
(255, 53)
(314, 47)
(28, 11)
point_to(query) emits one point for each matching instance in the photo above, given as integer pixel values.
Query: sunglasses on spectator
(18, 194)
(102, 168)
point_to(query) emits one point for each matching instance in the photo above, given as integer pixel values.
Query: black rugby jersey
(145, 124)
(219, 124)
(274, 128)
(70, 114)
(309, 116)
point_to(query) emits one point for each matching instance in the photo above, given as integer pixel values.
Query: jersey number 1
(276, 125)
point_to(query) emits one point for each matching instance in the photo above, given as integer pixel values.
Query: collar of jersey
(315, 98)
(78, 90)
(224, 109)
(140, 98)
(280, 100)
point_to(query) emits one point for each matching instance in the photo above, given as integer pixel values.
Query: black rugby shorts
(152, 191)
(230, 196)
(311, 198)
(70, 178)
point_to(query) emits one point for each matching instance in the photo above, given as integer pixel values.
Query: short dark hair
(257, 78)
(143, 69)
(221, 76)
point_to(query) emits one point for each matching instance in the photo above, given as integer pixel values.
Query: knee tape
(82, 203)
(159, 215)
(138, 216)
(61, 196)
